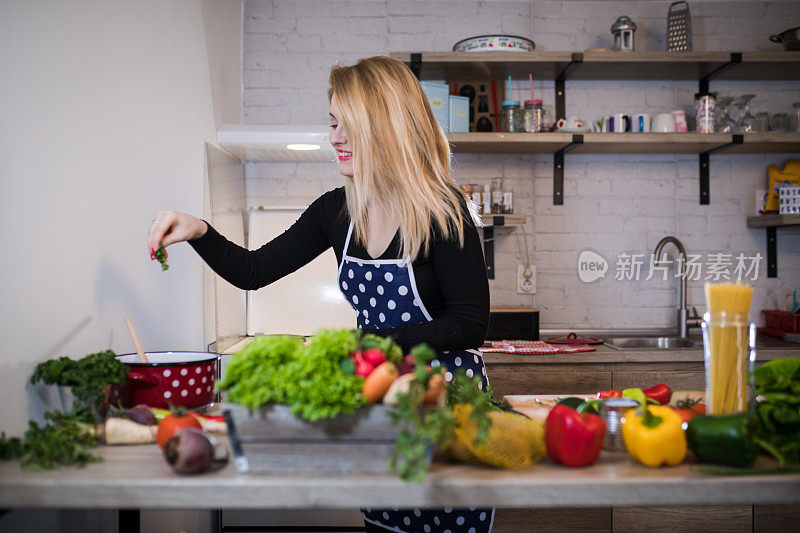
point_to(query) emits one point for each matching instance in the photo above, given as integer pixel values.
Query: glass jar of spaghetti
(729, 345)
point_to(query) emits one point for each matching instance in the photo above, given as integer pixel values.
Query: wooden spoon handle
(136, 343)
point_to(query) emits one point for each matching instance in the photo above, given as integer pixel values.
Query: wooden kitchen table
(138, 477)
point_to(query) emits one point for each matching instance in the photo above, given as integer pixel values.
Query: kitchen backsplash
(615, 205)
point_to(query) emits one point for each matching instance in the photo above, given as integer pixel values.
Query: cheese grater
(679, 28)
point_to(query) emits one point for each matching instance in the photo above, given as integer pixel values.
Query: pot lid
(623, 23)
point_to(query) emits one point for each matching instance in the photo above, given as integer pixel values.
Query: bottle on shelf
(497, 196)
(486, 199)
(508, 199)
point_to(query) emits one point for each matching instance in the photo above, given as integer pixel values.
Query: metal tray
(273, 441)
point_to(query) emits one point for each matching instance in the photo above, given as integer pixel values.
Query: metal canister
(612, 410)
(511, 117)
(705, 105)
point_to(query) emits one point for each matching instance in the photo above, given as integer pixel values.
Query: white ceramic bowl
(492, 43)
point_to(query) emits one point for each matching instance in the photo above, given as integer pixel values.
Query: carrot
(435, 393)
(378, 382)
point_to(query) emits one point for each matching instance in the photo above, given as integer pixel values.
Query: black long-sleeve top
(451, 280)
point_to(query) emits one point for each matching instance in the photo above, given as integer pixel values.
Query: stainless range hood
(277, 142)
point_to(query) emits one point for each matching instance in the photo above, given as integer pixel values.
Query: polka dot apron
(384, 294)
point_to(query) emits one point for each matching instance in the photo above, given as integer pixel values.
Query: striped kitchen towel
(533, 347)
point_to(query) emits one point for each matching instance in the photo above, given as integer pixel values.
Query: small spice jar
(511, 117)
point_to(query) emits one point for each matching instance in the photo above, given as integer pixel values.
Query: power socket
(526, 284)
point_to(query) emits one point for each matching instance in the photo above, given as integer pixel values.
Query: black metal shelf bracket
(577, 59)
(736, 59)
(416, 63)
(488, 243)
(558, 169)
(772, 252)
(705, 197)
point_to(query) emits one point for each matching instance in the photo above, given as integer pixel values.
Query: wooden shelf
(488, 220)
(773, 221)
(767, 143)
(606, 65)
(509, 143)
(650, 143)
(623, 143)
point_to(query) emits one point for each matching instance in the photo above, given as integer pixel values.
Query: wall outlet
(526, 281)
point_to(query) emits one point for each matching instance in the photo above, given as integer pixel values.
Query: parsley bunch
(422, 427)
(87, 376)
(65, 440)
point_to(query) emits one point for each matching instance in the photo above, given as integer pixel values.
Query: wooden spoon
(132, 331)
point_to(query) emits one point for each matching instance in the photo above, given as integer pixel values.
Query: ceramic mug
(640, 123)
(571, 124)
(663, 123)
(619, 123)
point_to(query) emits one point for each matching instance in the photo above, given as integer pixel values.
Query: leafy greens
(778, 382)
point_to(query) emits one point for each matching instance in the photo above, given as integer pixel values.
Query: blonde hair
(400, 154)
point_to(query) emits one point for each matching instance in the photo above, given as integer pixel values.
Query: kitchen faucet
(685, 320)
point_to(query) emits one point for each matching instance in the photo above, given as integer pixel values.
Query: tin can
(704, 106)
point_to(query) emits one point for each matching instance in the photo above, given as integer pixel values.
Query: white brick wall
(613, 203)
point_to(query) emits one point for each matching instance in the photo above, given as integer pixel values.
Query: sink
(654, 343)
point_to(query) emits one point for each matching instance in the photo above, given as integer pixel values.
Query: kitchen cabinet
(586, 373)
(604, 65)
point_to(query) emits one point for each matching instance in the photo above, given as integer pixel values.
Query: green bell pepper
(725, 440)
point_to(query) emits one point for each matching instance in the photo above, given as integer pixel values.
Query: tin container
(611, 411)
(704, 107)
(438, 95)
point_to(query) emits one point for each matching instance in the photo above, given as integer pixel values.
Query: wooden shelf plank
(509, 143)
(510, 220)
(606, 65)
(489, 65)
(773, 221)
(768, 142)
(650, 143)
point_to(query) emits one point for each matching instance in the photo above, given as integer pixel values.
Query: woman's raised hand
(169, 227)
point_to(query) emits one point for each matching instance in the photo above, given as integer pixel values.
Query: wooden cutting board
(536, 406)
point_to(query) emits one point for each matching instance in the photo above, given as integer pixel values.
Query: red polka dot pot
(184, 379)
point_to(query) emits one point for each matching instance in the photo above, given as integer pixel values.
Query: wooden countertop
(138, 477)
(606, 354)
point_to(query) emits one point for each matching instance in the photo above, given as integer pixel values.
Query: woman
(410, 260)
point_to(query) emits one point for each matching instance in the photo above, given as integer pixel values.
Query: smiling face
(338, 140)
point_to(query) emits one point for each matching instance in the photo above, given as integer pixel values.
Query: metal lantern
(623, 30)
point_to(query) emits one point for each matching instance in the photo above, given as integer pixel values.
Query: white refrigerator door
(303, 301)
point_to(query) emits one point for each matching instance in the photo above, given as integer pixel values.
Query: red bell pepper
(573, 438)
(613, 393)
(659, 393)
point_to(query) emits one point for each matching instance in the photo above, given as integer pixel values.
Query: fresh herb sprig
(64, 440)
(161, 255)
(422, 427)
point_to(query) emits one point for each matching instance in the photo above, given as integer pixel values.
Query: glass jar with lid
(511, 117)
(536, 118)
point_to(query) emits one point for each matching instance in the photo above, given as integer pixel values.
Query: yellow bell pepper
(654, 435)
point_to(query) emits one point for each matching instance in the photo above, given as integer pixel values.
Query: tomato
(172, 423)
